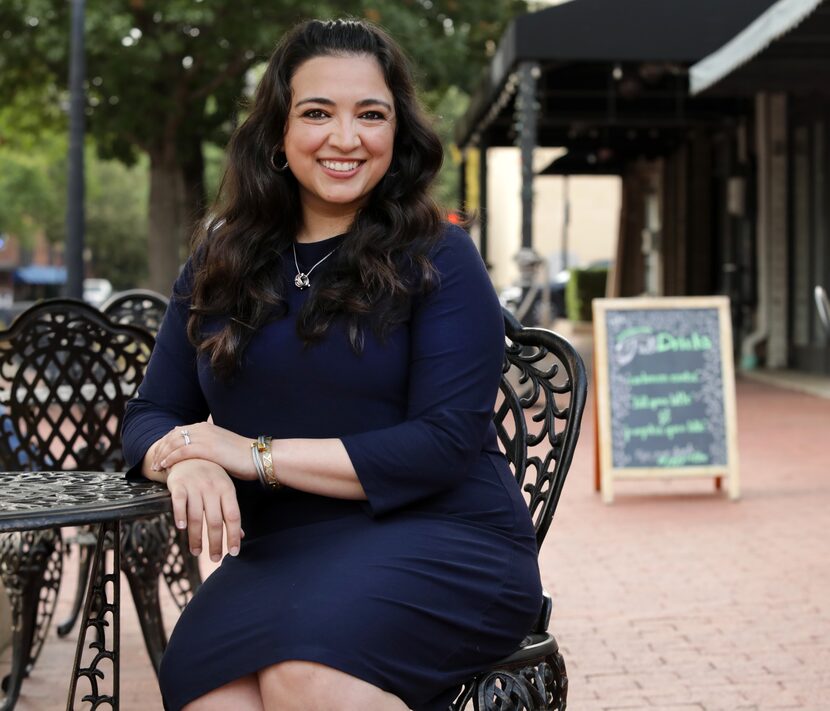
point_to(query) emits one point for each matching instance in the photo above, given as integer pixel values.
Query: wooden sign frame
(607, 474)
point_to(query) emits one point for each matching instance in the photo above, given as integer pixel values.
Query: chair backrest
(66, 374)
(137, 307)
(538, 414)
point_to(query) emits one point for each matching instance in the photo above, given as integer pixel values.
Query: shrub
(584, 286)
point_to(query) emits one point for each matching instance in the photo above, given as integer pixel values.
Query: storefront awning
(785, 48)
(576, 45)
(40, 274)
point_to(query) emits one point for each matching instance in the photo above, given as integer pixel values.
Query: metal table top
(33, 500)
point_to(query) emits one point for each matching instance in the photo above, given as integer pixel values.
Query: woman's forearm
(318, 466)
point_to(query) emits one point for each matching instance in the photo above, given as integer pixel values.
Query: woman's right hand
(201, 490)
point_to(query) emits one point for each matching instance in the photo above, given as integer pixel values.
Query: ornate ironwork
(145, 547)
(30, 507)
(30, 566)
(539, 686)
(543, 377)
(181, 569)
(102, 618)
(146, 308)
(538, 414)
(138, 307)
(66, 374)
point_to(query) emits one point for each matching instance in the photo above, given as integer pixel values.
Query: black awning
(592, 34)
(787, 48)
(585, 163)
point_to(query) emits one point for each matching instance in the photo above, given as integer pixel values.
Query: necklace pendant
(301, 281)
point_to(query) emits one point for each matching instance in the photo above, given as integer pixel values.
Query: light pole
(74, 253)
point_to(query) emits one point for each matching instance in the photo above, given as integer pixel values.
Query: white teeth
(341, 166)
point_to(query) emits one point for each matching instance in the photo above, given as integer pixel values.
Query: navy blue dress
(415, 589)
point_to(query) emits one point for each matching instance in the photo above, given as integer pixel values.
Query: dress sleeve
(456, 355)
(170, 393)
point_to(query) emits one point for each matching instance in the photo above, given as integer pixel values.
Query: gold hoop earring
(272, 160)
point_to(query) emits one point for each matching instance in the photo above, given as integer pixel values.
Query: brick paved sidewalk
(672, 598)
(675, 598)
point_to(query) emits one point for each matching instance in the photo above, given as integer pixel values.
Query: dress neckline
(327, 242)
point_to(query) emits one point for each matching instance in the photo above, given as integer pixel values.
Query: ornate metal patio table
(39, 500)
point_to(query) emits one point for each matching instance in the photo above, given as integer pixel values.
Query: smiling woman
(347, 346)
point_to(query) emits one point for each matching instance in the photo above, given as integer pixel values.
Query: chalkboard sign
(665, 389)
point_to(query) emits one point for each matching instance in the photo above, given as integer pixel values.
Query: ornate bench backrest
(538, 414)
(66, 374)
(137, 307)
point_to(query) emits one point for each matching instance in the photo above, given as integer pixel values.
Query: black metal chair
(66, 374)
(138, 307)
(146, 308)
(538, 415)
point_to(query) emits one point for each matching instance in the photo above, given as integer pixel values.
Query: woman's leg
(240, 695)
(308, 686)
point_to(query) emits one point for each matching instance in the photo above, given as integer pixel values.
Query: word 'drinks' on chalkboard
(665, 389)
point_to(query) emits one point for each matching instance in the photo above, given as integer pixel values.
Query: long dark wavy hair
(375, 272)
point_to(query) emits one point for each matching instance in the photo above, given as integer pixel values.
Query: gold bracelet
(260, 469)
(264, 447)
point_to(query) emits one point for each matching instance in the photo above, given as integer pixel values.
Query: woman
(388, 552)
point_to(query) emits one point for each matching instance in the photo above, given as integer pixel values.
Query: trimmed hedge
(584, 285)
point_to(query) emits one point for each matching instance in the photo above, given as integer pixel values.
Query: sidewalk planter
(584, 286)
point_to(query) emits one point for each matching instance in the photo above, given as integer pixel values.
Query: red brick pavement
(672, 598)
(675, 598)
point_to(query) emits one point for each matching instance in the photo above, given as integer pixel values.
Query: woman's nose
(345, 135)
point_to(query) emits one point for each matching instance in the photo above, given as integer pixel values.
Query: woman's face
(340, 132)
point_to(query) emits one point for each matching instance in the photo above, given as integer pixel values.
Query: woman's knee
(309, 686)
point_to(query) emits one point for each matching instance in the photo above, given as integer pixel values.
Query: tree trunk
(193, 170)
(166, 224)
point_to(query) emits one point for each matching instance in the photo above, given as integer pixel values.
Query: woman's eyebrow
(329, 102)
(374, 102)
(316, 100)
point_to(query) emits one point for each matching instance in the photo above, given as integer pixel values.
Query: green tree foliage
(31, 167)
(116, 222)
(33, 189)
(165, 77)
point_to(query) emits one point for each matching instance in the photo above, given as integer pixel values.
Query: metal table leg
(103, 598)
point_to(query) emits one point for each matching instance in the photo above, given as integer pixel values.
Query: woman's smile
(341, 168)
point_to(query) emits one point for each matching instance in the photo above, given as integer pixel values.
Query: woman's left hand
(204, 440)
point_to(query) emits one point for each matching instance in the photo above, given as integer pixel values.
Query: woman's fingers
(233, 521)
(213, 519)
(195, 514)
(178, 497)
(179, 454)
(170, 443)
(203, 494)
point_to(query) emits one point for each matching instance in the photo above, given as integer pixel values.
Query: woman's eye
(372, 116)
(315, 114)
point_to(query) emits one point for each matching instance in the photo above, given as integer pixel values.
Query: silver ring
(186, 435)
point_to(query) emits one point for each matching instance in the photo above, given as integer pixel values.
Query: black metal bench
(538, 415)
